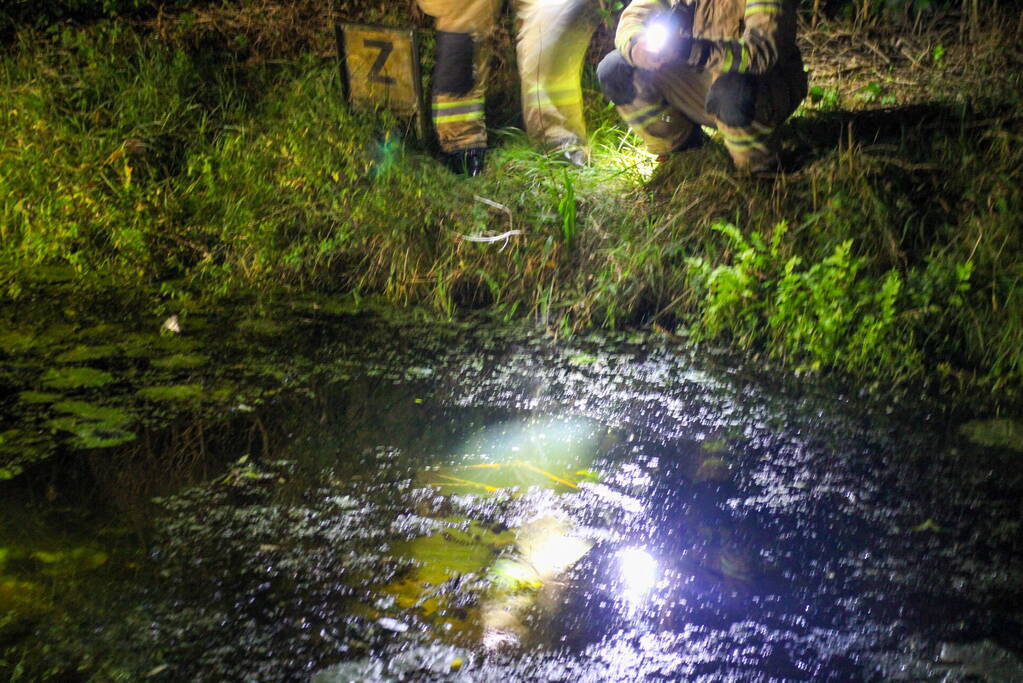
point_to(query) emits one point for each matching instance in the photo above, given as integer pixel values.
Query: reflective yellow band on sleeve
(763, 7)
(736, 56)
(726, 63)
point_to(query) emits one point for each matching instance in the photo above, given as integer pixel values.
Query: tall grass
(178, 174)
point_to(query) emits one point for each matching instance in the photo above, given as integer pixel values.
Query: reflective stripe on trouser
(663, 111)
(752, 147)
(459, 120)
(669, 101)
(779, 92)
(552, 42)
(458, 117)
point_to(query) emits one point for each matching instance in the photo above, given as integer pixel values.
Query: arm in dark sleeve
(758, 48)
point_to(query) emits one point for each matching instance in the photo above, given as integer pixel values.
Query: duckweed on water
(21, 602)
(94, 413)
(149, 345)
(59, 562)
(38, 397)
(76, 378)
(89, 434)
(20, 448)
(995, 433)
(381, 547)
(262, 327)
(93, 426)
(180, 361)
(146, 378)
(461, 549)
(16, 341)
(176, 392)
(82, 353)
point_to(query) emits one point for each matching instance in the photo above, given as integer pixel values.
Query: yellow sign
(382, 68)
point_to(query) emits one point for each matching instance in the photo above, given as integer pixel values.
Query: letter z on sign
(382, 67)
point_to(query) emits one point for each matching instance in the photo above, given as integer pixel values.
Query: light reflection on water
(527, 514)
(615, 539)
(639, 573)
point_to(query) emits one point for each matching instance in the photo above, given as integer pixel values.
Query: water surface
(483, 504)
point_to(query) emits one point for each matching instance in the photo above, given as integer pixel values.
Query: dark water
(488, 505)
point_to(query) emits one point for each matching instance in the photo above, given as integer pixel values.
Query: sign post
(380, 69)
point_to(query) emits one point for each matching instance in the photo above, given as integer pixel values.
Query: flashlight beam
(554, 477)
(466, 482)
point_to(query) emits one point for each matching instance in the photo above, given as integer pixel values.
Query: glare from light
(632, 157)
(555, 553)
(560, 444)
(656, 36)
(638, 574)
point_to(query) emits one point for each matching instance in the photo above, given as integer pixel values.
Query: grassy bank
(179, 159)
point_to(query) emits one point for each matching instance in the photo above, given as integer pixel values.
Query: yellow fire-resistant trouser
(552, 41)
(670, 101)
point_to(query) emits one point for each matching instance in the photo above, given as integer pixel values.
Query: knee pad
(733, 99)
(453, 68)
(615, 77)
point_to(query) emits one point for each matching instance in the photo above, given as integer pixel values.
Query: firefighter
(552, 39)
(732, 65)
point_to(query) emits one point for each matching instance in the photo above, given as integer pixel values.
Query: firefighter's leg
(686, 90)
(458, 90)
(552, 42)
(464, 28)
(642, 105)
(749, 109)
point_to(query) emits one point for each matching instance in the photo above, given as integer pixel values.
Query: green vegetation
(176, 392)
(176, 165)
(997, 432)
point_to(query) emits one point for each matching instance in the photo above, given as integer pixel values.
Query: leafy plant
(825, 99)
(608, 10)
(822, 314)
(871, 92)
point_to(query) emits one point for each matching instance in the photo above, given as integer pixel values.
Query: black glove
(733, 99)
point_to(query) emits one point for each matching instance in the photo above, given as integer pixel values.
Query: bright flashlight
(656, 36)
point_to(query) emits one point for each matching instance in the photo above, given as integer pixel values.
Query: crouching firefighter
(732, 65)
(551, 43)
